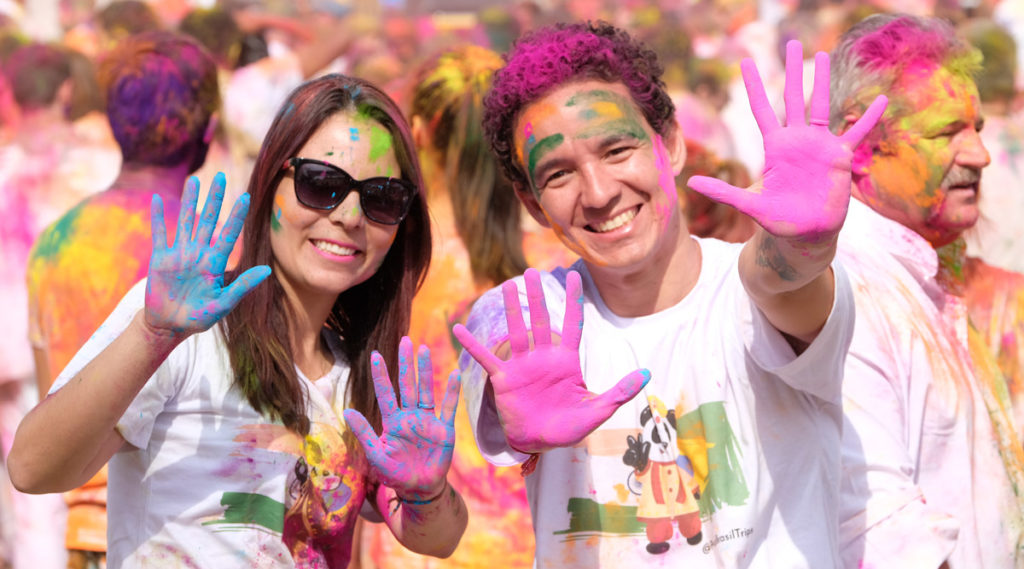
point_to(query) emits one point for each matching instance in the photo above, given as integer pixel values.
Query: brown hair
(449, 98)
(368, 316)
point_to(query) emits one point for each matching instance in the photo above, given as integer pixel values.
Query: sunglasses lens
(320, 186)
(386, 200)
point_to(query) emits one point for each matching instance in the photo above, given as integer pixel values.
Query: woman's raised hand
(414, 451)
(185, 292)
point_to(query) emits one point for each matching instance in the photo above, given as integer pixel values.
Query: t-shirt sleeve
(136, 424)
(487, 324)
(819, 369)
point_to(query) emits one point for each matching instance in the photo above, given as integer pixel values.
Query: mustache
(961, 176)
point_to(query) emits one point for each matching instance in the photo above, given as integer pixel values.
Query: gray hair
(875, 52)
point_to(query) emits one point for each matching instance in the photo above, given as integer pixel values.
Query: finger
(517, 338)
(406, 378)
(867, 121)
(364, 433)
(158, 227)
(211, 211)
(794, 90)
(187, 214)
(820, 94)
(426, 378)
(721, 192)
(540, 320)
(382, 385)
(759, 105)
(451, 398)
(229, 234)
(572, 325)
(245, 282)
(623, 391)
(487, 360)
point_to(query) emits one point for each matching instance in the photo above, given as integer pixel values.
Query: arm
(800, 203)
(66, 439)
(412, 456)
(541, 398)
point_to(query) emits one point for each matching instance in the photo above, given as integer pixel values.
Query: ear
(532, 204)
(420, 136)
(64, 92)
(675, 146)
(211, 128)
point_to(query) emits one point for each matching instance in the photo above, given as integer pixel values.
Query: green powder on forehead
(380, 142)
(624, 119)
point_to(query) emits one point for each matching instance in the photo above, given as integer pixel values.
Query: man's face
(926, 170)
(599, 175)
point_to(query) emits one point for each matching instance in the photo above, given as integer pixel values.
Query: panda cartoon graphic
(667, 490)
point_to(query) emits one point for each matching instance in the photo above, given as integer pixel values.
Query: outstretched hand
(185, 292)
(539, 391)
(414, 451)
(805, 190)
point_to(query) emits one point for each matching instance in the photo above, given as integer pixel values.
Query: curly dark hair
(549, 57)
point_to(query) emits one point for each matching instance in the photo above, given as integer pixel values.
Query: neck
(41, 127)
(308, 317)
(661, 282)
(163, 180)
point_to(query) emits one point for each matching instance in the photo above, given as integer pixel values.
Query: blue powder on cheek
(354, 134)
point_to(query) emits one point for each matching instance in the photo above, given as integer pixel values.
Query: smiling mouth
(333, 249)
(613, 223)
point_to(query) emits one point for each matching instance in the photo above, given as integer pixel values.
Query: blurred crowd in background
(57, 147)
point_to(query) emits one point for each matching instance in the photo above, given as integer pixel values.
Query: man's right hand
(542, 400)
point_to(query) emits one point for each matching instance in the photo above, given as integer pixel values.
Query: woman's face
(322, 253)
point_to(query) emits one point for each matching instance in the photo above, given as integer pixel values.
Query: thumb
(626, 389)
(721, 192)
(364, 433)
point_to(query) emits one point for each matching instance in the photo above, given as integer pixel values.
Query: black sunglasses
(321, 185)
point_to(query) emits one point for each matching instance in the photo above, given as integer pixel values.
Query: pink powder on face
(667, 180)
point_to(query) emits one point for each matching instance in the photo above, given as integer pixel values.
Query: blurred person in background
(44, 171)
(998, 237)
(161, 95)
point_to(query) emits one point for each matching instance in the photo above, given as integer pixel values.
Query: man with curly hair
(731, 456)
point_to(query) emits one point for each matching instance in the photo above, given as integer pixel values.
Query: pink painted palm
(804, 192)
(542, 399)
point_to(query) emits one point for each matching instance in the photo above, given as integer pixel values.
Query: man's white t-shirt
(756, 432)
(206, 481)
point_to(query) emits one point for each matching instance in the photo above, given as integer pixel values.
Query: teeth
(333, 249)
(615, 222)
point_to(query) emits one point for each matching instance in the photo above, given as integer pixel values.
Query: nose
(972, 151)
(349, 212)
(599, 189)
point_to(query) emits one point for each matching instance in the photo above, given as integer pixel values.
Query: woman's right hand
(185, 292)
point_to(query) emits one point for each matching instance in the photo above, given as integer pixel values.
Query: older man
(931, 457)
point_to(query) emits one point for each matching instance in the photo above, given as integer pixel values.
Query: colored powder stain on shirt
(52, 241)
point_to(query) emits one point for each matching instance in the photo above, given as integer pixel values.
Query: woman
(225, 452)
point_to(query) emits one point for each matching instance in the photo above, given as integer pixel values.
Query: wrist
(416, 499)
(162, 340)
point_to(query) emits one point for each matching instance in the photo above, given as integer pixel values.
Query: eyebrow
(541, 149)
